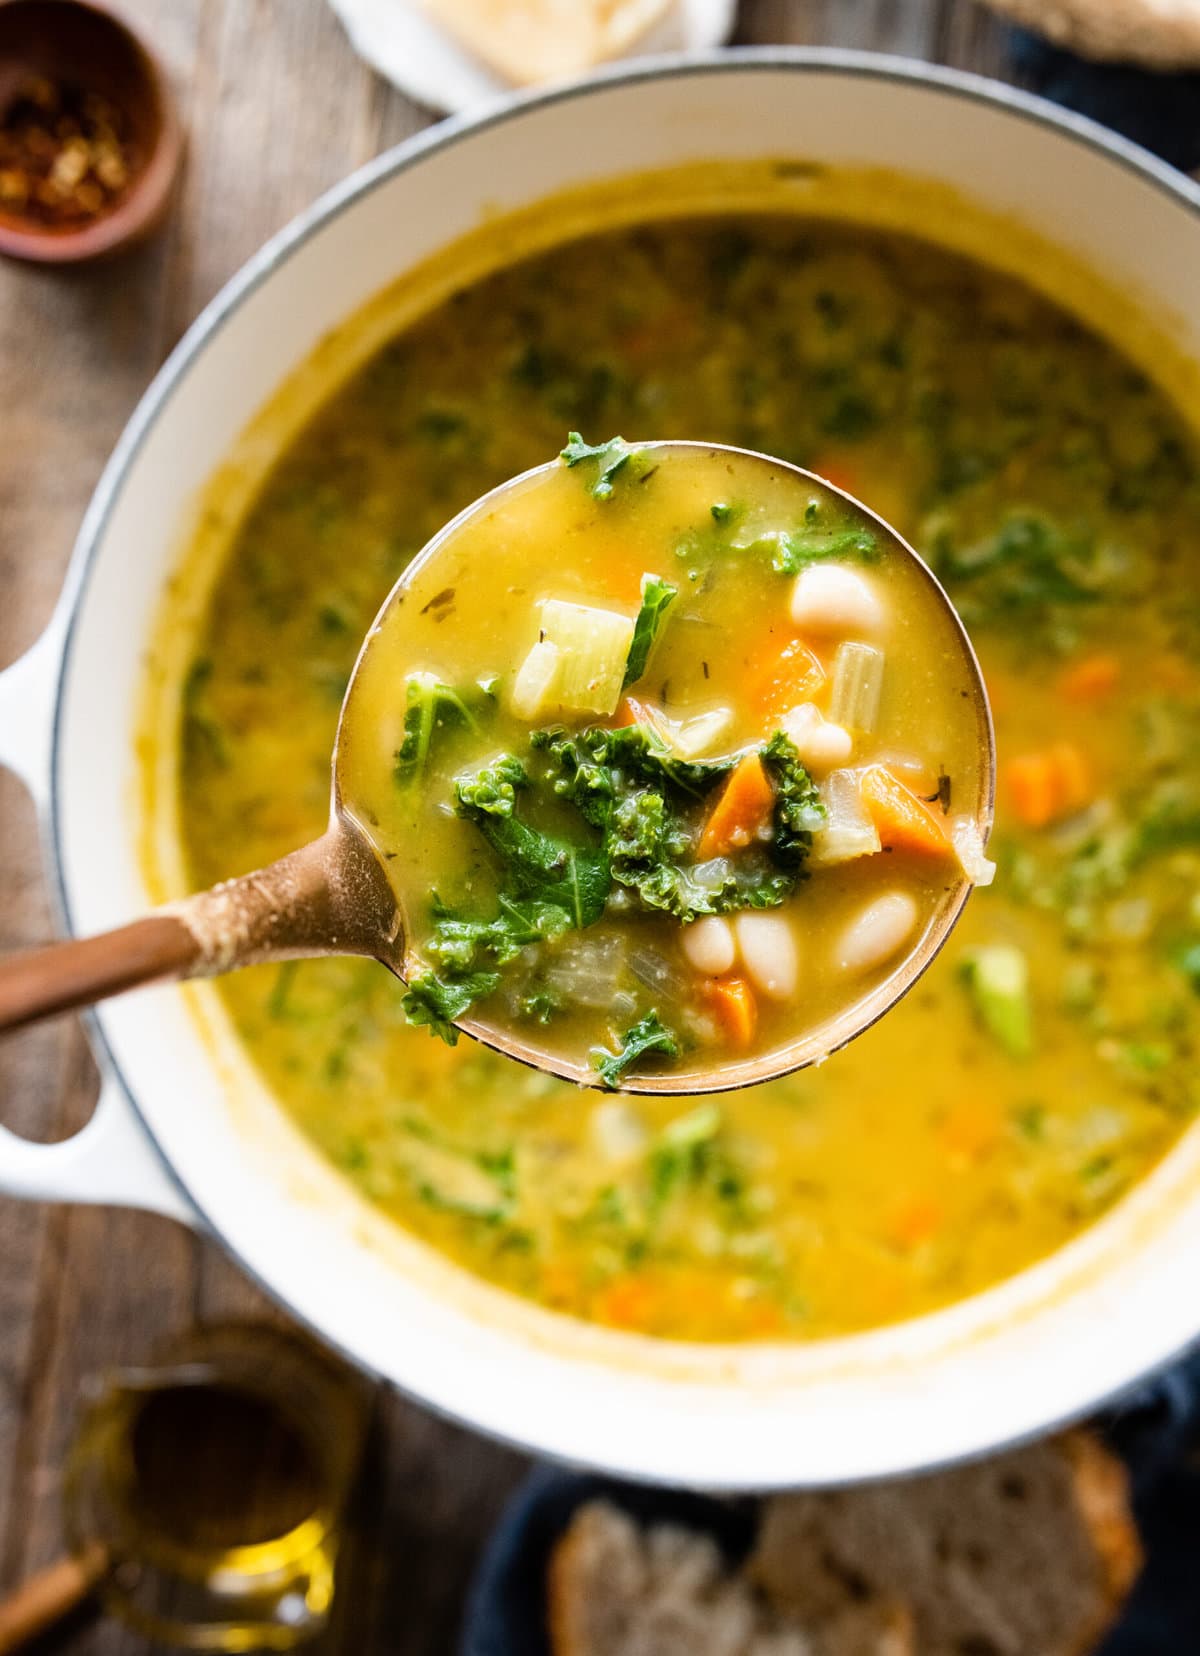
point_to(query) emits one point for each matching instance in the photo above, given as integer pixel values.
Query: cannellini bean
(768, 949)
(876, 934)
(829, 599)
(709, 946)
(821, 744)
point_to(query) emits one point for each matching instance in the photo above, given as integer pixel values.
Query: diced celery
(998, 977)
(535, 688)
(593, 646)
(848, 831)
(856, 687)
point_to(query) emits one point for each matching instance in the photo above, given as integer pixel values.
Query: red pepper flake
(66, 155)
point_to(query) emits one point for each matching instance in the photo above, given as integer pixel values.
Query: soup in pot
(1047, 1060)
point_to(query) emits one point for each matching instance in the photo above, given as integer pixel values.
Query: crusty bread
(616, 1589)
(1029, 1554)
(540, 40)
(1161, 34)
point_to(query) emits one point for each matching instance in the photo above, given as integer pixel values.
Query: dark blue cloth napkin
(1159, 111)
(1158, 1431)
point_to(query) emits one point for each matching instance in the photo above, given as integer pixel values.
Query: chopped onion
(848, 831)
(856, 687)
(535, 687)
(587, 972)
(658, 974)
(968, 848)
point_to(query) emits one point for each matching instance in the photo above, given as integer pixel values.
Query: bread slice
(528, 41)
(1029, 1554)
(616, 1589)
(1159, 34)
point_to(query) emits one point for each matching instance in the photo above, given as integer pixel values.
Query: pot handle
(27, 697)
(111, 1160)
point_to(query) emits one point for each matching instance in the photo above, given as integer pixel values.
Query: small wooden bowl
(77, 42)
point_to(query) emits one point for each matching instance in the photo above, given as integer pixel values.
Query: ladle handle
(62, 977)
(330, 897)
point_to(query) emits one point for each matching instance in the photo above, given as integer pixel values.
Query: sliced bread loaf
(1029, 1554)
(538, 40)
(617, 1589)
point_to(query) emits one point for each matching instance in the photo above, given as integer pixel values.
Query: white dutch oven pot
(1037, 1350)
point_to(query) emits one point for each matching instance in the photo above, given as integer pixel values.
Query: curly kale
(645, 809)
(798, 808)
(571, 877)
(644, 801)
(437, 1002)
(651, 1035)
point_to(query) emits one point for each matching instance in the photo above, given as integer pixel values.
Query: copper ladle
(332, 897)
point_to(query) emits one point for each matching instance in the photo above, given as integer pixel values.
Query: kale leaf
(657, 597)
(462, 943)
(429, 705)
(574, 878)
(651, 1035)
(610, 457)
(596, 765)
(798, 807)
(438, 1002)
(792, 550)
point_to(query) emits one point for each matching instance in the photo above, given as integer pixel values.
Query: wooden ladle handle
(330, 897)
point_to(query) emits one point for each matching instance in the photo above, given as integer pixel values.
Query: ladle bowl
(333, 896)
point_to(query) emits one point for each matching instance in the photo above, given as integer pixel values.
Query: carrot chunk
(1091, 679)
(1049, 784)
(732, 1000)
(744, 807)
(914, 1220)
(794, 675)
(902, 821)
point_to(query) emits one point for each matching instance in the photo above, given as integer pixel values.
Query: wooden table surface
(277, 108)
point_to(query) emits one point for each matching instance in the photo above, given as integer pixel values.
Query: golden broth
(1053, 488)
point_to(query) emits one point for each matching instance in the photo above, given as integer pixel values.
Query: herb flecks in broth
(929, 1159)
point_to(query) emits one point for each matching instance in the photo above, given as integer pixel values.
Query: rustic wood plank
(277, 109)
(76, 350)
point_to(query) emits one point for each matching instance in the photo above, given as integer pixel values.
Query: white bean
(769, 954)
(708, 945)
(877, 933)
(829, 599)
(821, 744)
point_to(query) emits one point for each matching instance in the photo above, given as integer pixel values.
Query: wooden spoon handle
(48, 1597)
